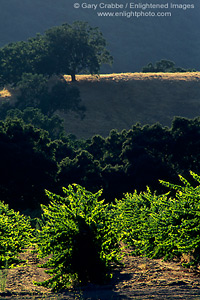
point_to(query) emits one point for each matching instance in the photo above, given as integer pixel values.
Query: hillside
(121, 100)
(133, 42)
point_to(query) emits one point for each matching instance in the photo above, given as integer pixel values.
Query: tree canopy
(74, 48)
(34, 159)
(164, 65)
(35, 92)
(66, 49)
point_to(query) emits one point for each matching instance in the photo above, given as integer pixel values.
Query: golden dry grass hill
(121, 100)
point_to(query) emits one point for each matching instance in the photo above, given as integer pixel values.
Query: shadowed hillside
(120, 100)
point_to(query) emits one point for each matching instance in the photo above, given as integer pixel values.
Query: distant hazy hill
(121, 100)
(132, 41)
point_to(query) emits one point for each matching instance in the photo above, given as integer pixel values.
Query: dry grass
(5, 93)
(121, 100)
(117, 77)
(8, 94)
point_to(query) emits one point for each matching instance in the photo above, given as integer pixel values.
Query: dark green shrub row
(81, 235)
(15, 235)
(163, 225)
(84, 234)
(124, 161)
(164, 65)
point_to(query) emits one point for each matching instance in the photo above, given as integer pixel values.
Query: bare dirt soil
(140, 278)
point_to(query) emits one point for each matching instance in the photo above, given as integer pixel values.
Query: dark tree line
(164, 65)
(31, 161)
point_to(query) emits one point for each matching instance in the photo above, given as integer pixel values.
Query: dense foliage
(164, 66)
(65, 49)
(163, 225)
(35, 91)
(80, 234)
(33, 159)
(133, 159)
(15, 235)
(71, 49)
(27, 164)
(53, 125)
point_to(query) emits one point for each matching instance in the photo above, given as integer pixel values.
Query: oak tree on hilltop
(66, 49)
(71, 49)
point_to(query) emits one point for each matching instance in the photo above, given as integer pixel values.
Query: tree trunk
(73, 76)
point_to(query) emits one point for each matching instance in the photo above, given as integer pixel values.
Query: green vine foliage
(161, 225)
(80, 234)
(15, 235)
